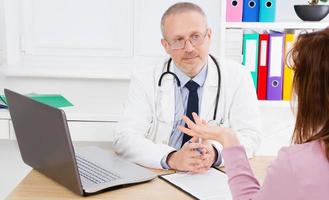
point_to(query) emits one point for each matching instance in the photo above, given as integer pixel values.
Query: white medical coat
(141, 138)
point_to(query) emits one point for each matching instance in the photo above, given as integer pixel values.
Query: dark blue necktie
(192, 104)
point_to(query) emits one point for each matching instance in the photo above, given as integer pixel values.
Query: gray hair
(180, 8)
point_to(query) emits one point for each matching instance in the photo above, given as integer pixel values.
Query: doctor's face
(187, 40)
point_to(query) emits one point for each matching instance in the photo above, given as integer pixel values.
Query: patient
(300, 171)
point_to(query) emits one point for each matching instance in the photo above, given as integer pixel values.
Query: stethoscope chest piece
(216, 122)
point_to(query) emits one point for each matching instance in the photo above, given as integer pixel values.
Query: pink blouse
(299, 172)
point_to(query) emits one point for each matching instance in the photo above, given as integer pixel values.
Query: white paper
(276, 56)
(263, 53)
(251, 55)
(210, 185)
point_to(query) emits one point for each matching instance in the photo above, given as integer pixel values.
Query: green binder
(250, 53)
(54, 100)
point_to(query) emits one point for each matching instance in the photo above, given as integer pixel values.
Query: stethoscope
(178, 83)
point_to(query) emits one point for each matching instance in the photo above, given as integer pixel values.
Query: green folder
(250, 53)
(54, 100)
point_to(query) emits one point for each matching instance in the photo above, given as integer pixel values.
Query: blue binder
(250, 11)
(267, 10)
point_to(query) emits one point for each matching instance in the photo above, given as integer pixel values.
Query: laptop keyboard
(93, 172)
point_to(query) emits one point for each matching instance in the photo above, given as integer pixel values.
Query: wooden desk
(36, 186)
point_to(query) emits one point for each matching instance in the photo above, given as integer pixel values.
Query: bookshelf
(276, 25)
(290, 22)
(274, 104)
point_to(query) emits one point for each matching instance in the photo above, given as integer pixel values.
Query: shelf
(274, 104)
(276, 25)
(74, 114)
(4, 114)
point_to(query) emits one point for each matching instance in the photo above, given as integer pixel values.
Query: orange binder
(288, 73)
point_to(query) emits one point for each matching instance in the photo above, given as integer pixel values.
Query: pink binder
(234, 10)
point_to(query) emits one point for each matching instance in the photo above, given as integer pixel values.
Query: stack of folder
(54, 100)
(3, 103)
(250, 10)
(264, 54)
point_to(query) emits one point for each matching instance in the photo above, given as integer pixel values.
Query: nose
(188, 46)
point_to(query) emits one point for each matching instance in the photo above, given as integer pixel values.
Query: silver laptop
(45, 144)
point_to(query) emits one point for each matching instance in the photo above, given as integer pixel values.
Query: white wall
(2, 36)
(83, 47)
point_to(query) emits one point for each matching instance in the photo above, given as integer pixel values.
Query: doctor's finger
(207, 157)
(191, 124)
(188, 131)
(202, 169)
(195, 132)
(190, 165)
(204, 151)
(195, 145)
(197, 153)
(196, 162)
(194, 139)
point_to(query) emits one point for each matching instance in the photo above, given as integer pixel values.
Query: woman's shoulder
(308, 167)
(296, 149)
(304, 155)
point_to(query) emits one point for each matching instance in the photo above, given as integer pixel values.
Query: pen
(200, 142)
(198, 149)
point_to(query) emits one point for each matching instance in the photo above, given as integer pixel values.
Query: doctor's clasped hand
(193, 156)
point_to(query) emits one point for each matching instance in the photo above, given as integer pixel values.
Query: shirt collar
(200, 78)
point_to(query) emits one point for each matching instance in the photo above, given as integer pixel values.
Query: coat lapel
(167, 99)
(209, 92)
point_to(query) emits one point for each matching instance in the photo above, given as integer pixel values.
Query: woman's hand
(201, 129)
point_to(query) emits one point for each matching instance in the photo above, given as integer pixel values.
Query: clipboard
(210, 185)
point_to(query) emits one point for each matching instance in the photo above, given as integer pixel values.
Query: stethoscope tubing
(179, 84)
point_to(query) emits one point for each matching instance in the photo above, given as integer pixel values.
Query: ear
(209, 33)
(165, 45)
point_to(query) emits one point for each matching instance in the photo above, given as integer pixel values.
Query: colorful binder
(250, 54)
(275, 66)
(267, 10)
(262, 65)
(250, 11)
(288, 73)
(234, 10)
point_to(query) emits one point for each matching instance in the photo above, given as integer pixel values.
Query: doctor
(221, 92)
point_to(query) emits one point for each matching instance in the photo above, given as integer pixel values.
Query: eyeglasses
(196, 39)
